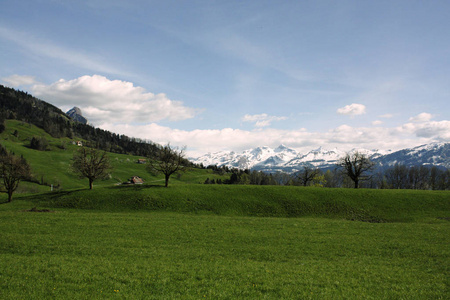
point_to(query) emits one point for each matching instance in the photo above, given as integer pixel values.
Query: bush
(39, 143)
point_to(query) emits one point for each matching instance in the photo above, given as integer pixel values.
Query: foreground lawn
(80, 254)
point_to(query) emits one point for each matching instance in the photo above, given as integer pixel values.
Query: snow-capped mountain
(286, 159)
(435, 154)
(248, 159)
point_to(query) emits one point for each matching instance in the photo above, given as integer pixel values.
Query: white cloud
(439, 130)
(344, 137)
(19, 80)
(262, 120)
(353, 109)
(114, 101)
(423, 117)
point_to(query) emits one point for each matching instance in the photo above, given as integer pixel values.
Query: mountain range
(286, 159)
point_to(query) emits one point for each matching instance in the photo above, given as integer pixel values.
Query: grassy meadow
(190, 242)
(195, 241)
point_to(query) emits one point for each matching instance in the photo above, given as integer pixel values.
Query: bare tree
(307, 174)
(168, 161)
(13, 169)
(397, 176)
(92, 164)
(355, 166)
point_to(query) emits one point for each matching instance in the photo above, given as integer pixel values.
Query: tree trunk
(167, 181)
(91, 184)
(10, 196)
(356, 184)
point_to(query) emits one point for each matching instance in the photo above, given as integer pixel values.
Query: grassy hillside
(262, 201)
(53, 166)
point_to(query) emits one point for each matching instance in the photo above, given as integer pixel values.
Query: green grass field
(172, 249)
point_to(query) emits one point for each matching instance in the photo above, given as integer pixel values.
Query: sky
(233, 75)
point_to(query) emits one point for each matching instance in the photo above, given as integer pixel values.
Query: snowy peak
(437, 154)
(249, 159)
(286, 159)
(262, 156)
(283, 149)
(319, 158)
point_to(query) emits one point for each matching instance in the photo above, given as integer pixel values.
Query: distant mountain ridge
(289, 160)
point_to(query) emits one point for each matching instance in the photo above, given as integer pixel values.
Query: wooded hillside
(24, 107)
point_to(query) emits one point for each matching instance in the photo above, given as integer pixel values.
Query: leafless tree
(356, 166)
(168, 161)
(397, 176)
(13, 169)
(92, 164)
(307, 174)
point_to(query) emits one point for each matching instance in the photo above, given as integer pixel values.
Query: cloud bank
(119, 102)
(343, 137)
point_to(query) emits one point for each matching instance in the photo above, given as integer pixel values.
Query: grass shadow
(48, 195)
(135, 187)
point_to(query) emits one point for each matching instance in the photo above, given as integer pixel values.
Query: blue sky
(232, 75)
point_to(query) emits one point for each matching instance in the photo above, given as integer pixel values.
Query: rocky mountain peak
(76, 115)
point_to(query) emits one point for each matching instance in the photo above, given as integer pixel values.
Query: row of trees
(353, 170)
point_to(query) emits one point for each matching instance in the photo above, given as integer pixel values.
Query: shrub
(39, 143)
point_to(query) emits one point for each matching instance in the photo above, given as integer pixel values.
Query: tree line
(352, 171)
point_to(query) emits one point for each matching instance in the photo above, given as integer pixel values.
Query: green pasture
(217, 242)
(91, 254)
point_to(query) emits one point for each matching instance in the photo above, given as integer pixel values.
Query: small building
(79, 144)
(141, 161)
(135, 180)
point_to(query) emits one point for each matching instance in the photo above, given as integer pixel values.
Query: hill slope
(52, 167)
(21, 106)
